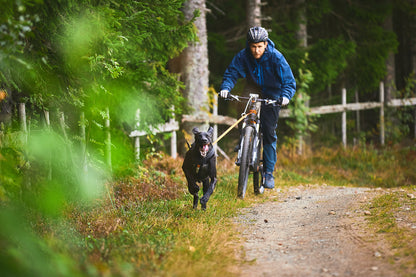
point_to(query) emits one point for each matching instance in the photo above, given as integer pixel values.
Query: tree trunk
(193, 66)
(302, 37)
(302, 34)
(390, 79)
(413, 38)
(253, 13)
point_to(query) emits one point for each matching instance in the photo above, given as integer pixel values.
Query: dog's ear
(210, 131)
(195, 130)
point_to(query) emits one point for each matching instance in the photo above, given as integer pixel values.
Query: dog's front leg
(196, 198)
(208, 189)
(193, 189)
(209, 183)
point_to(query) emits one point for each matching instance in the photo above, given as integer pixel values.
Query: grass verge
(150, 229)
(393, 218)
(359, 166)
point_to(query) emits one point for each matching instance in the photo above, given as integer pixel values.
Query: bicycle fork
(254, 155)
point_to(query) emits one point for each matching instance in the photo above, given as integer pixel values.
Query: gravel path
(311, 231)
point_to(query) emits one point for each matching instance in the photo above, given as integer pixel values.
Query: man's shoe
(268, 180)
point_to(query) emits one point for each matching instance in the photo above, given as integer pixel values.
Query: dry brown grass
(147, 220)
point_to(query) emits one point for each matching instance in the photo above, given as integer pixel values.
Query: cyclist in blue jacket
(267, 73)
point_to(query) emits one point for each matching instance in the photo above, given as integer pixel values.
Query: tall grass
(358, 166)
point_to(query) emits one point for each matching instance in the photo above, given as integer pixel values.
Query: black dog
(199, 165)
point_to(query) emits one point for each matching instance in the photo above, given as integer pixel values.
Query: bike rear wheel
(246, 151)
(258, 181)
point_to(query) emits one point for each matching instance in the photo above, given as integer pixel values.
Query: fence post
(137, 147)
(83, 142)
(173, 138)
(301, 139)
(173, 143)
(137, 138)
(215, 133)
(215, 113)
(344, 117)
(358, 125)
(48, 127)
(24, 138)
(62, 124)
(47, 119)
(414, 124)
(107, 138)
(382, 113)
(23, 126)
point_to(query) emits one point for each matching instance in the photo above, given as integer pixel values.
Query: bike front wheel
(245, 158)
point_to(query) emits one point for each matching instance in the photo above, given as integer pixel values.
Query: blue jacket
(271, 72)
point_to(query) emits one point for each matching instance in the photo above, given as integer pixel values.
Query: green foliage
(329, 58)
(399, 119)
(87, 58)
(16, 26)
(24, 254)
(369, 65)
(95, 52)
(358, 29)
(316, 10)
(301, 123)
(12, 166)
(85, 63)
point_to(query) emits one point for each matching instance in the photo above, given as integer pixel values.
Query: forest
(74, 74)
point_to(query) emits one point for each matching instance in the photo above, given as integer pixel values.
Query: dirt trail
(311, 231)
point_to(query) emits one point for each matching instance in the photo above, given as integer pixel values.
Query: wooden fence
(344, 107)
(173, 126)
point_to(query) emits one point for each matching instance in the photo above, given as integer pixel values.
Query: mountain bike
(250, 148)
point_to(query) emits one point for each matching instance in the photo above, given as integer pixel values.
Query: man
(268, 73)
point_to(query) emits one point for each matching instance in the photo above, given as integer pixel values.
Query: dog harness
(201, 164)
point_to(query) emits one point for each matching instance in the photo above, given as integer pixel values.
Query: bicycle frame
(252, 110)
(250, 148)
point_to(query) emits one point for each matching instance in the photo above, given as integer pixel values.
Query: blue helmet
(257, 34)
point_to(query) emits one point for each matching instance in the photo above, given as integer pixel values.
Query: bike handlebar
(277, 102)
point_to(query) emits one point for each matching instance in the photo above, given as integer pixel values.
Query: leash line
(229, 129)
